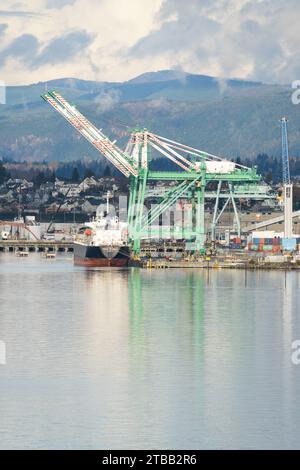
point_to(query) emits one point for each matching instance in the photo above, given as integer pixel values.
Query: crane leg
(200, 220)
(139, 212)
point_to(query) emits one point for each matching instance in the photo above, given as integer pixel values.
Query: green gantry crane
(197, 169)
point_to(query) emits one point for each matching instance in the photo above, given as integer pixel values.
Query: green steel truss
(191, 185)
(191, 181)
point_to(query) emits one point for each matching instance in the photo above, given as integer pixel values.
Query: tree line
(269, 167)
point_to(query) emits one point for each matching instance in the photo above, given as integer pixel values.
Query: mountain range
(231, 118)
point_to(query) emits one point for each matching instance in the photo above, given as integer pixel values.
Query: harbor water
(137, 359)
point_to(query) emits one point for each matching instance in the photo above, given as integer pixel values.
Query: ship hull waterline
(101, 256)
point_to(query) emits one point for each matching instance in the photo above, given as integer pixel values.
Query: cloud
(175, 36)
(104, 40)
(3, 27)
(11, 13)
(248, 39)
(222, 84)
(160, 103)
(58, 3)
(107, 100)
(81, 38)
(63, 48)
(24, 47)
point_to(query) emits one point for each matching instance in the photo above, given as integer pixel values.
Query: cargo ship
(102, 243)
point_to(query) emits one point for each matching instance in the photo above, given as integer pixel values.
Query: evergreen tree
(269, 177)
(296, 197)
(107, 172)
(88, 173)
(39, 178)
(75, 175)
(53, 176)
(3, 173)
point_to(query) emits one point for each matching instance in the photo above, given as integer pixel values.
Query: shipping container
(235, 246)
(267, 247)
(263, 234)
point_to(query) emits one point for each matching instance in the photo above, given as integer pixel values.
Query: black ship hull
(101, 256)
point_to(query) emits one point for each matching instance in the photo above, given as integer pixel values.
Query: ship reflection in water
(109, 358)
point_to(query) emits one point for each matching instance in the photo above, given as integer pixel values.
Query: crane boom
(135, 157)
(127, 163)
(99, 140)
(285, 152)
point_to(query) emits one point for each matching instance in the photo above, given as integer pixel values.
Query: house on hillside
(69, 189)
(89, 183)
(89, 207)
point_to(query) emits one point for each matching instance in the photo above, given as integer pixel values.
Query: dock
(238, 261)
(188, 264)
(235, 260)
(36, 246)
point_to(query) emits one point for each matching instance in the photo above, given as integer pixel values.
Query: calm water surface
(136, 359)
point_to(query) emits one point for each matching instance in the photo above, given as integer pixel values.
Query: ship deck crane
(134, 163)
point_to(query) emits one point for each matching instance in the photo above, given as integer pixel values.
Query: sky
(116, 40)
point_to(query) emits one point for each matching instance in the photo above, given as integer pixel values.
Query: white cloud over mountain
(117, 39)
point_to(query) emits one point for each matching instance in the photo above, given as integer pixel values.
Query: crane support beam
(168, 148)
(170, 157)
(193, 151)
(167, 201)
(238, 176)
